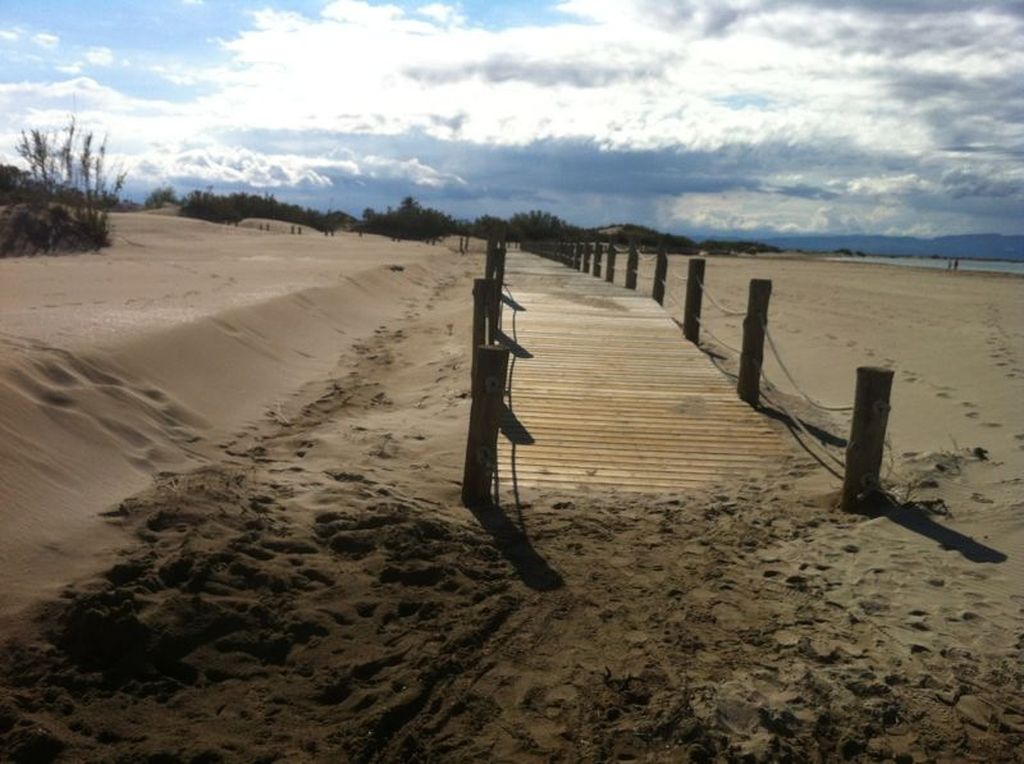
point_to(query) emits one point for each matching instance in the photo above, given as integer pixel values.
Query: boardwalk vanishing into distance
(605, 392)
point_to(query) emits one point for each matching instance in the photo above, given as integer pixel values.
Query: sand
(279, 568)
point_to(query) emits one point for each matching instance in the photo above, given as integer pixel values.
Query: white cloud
(757, 211)
(192, 2)
(99, 56)
(839, 113)
(217, 164)
(46, 40)
(10, 35)
(446, 15)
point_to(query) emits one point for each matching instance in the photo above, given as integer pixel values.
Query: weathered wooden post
(660, 275)
(576, 256)
(484, 418)
(867, 435)
(609, 265)
(632, 263)
(485, 297)
(293, 230)
(597, 259)
(499, 262)
(492, 248)
(586, 256)
(694, 299)
(752, 355)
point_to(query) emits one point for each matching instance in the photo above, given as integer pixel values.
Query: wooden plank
(608, 394)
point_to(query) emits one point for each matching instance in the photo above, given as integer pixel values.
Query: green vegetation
(412, 220)
(409, 221)
(648, 237)
(538, 226)
(61, 202)
(232, 208)
(161, 197)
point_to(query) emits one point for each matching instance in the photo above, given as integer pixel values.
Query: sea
(987, 266)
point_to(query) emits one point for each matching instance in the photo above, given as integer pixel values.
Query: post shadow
(511, 302)
(821, 434)
(513, 429)
(916, 519)
(514, 347)
(515, 546)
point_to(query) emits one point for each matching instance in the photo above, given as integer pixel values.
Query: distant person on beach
(956, 264)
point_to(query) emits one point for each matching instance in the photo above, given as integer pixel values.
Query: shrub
(160, 197)
(409, 221)
(232, 208)
(61, 203)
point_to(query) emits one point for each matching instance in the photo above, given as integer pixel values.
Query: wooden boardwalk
(605, 391)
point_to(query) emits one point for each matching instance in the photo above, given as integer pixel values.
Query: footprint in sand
(972, 415)
(943, 395)
(991, 424)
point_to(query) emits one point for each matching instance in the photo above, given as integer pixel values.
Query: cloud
(10, 35)
(46, 40)
(240, 167)
(446, 15)
(740, 113)
(99, 56)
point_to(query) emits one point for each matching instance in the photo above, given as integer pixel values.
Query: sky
(704, 117)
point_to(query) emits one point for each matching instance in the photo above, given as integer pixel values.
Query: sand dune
(120, 365)
(301, 584)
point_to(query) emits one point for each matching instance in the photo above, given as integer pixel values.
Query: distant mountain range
(982, 245)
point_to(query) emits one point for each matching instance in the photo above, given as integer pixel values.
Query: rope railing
(867, 446)
(718, 341)
(717, 304)
(778, 357)
(840, 463)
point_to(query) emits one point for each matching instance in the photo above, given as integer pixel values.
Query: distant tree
(160, 197)
(232, 208)
(410, 221)
(537, 225)
(486, 226)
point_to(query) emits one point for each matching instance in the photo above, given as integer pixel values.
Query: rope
(674, 301)
(800, 425)
(789, 376)
(708, 332)
(719, 305)
(508, 394)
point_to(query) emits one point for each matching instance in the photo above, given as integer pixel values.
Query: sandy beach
(232, 529)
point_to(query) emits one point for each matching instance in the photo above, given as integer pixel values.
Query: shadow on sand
(821, 434)
(515, 546)
(917, 519)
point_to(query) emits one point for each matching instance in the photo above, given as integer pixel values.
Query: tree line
(62, 201)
